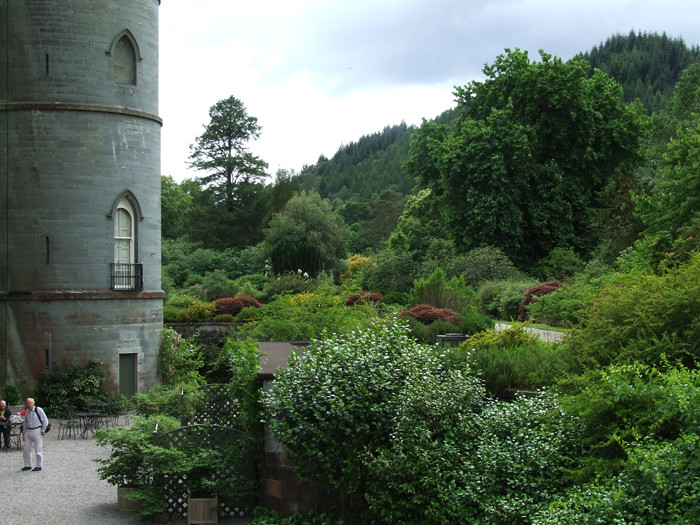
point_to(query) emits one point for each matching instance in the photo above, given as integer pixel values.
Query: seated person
(5, 426)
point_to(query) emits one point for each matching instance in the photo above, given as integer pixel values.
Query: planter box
(124, 504)
(202, 510)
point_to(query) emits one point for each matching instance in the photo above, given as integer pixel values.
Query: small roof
(275, 354)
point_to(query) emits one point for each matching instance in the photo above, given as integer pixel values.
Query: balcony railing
(126, 277)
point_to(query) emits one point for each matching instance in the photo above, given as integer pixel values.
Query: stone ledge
(72, 295)
(78, 106)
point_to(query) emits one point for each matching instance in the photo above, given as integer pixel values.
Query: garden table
(16, 430)
(89, 422)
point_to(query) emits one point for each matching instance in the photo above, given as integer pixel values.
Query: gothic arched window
(126, 272)
(125, 55)
(124, 233)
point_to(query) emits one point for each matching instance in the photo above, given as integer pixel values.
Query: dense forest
(647, 65)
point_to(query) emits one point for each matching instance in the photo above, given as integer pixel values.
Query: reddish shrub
(533, 293)
(426, 314)
(361, 297)
(233, 305)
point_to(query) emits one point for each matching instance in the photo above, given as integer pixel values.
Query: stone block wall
(59, 51)
(59, 332)
(287, 493)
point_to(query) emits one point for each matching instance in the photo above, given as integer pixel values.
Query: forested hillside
(372, 165)
(648, 65)
(360, 169)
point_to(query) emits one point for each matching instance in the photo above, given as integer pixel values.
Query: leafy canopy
(535, 144)
(306, 236)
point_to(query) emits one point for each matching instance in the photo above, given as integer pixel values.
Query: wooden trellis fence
(217, 406)
(211, 431)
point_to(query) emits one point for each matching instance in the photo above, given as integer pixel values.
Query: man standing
(5, 425)
(35, 423)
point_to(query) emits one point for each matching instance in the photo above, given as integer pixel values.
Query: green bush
(642, 430)
(643, 317)
(180, 359)
(561, 264)
(530, 366)
(199, 311)
(588, 504)
(287, 283)
(216, 284)
(515, 335)
(488, 263)
(436, 290)
(127, 463)
(567, 305)
(251, 284)
(149, 468)
(76, 387)
(173, 314)
(238, 367)
(246, 314)
(12, 394)
(401, 299)
(291, 253)
(181, 301)
(563, 307)
(623, 404)
(389, 271)
(263, 516)
(224, 318)
(513, 359)
(175, 308)
(175, 401)
(660, 481)
(454, 458)
(419, 467)
(194, 288)
(428, 333)
(304, 317)
(502, 299)
(658, 484)
(473, 322)
(333, 406)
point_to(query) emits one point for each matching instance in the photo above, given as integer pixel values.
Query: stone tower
(80, 269)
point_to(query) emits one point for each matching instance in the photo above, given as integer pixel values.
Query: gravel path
(551, 336)
(66, 491)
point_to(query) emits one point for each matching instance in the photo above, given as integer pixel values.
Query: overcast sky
(321, 73)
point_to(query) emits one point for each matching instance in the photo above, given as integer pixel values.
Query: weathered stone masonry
(79, 150)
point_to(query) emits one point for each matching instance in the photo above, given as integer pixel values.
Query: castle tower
(80, 269)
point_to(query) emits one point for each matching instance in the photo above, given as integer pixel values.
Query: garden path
(551, 336)
(67, 491)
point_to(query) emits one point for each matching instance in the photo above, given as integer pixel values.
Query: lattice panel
(218, 406)
(203, 436)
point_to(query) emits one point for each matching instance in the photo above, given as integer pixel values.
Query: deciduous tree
(534, 146)
(306, 236)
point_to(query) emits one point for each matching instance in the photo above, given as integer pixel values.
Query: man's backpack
(48, 427)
